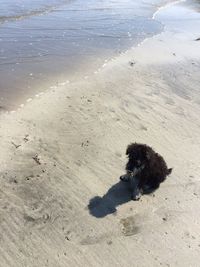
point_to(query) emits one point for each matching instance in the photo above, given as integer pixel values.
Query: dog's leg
(148, 189)
(136, 193)
(127, 177)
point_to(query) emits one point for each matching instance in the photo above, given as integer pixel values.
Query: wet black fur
(155, 168)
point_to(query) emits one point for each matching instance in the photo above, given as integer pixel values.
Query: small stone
(36, 159)
(131, 63)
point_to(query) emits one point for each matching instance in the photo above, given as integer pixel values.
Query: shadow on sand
(117, 195)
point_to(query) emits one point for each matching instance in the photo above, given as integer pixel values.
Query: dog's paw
(124, 178)
(136, 197)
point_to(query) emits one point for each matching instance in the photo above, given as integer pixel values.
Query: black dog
(145, 169)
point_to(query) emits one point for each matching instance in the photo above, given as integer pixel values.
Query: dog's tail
(169, 171)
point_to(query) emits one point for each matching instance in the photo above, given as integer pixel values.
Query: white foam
(63, 83)
(166, 6)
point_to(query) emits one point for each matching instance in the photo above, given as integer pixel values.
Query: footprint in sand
(93, 240)
(37, 220)
(143, 128)
(129, 227)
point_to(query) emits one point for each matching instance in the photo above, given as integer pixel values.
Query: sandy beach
(61, 202)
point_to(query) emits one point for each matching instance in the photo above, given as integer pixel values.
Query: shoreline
(60, 78)
(68, 146)
(167, 5)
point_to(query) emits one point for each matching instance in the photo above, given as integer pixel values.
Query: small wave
(23, 16)
(30, 13)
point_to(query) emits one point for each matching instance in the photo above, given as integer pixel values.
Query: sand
(61, 202)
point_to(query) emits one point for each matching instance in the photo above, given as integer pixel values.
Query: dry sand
(65, 149)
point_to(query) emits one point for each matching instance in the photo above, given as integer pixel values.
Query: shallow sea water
(44, 43)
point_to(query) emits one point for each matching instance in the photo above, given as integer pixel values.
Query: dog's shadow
(117, 195)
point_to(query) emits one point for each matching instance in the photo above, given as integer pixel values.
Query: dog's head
(138, 157)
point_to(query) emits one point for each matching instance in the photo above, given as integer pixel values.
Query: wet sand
(61, 202)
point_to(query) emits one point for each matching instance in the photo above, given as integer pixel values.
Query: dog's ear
(169, 171)
(129, 149)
